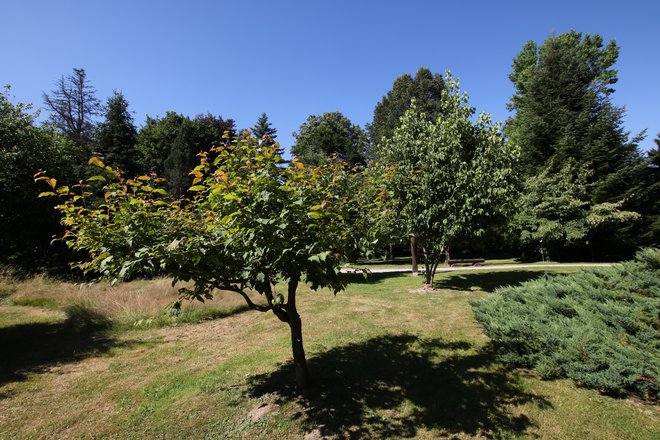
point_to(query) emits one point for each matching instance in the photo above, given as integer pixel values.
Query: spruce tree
(116, 136)
(264, 128)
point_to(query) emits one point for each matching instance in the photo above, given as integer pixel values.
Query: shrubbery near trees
(27, 223)
(597, 327)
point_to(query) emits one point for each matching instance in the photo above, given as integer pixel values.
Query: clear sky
(291, 59)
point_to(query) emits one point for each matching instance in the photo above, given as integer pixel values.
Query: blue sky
(296, 58)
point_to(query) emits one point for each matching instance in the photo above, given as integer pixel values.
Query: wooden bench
(473, 261)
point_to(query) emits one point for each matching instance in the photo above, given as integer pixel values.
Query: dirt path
(497, 266)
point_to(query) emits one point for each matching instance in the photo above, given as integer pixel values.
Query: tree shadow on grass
(486, 281)
(34, 347)
(394, 385)
(372, 277)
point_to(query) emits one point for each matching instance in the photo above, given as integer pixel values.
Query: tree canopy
(262, 128)
(27, 223)
(451, 179)
(563, 107)
(327, 135)
(116, 136)
(251, 225)
(425, 88)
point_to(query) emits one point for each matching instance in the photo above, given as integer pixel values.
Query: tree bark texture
(295, 324)
(413, 253)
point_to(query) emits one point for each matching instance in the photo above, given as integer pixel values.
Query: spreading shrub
(599, 327)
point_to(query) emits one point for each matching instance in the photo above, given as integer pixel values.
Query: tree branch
(245, 296)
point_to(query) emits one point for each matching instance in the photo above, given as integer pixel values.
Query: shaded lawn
(488, 281)
(361, 388)
(388, 361)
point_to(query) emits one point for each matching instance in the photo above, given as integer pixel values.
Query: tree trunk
(414, 256)
(299, 361)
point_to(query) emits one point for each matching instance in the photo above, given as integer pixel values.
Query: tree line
(583, 188)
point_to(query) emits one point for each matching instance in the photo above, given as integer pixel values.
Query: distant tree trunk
(414, 255)
(299, 360)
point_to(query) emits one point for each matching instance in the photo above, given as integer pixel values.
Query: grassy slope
(389, 360)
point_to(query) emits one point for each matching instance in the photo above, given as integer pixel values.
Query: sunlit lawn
(389, 359)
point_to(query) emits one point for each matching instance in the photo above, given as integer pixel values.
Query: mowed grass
(389, 360)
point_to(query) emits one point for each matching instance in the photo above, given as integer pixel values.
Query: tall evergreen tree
(264, 128)
(425, 87)
(116, 136)
(73, 105)
(331, 133)
(563, 107)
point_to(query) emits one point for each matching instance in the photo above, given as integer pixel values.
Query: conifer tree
(116, 136)
(264, 128)
(73, 105)
(563, 108)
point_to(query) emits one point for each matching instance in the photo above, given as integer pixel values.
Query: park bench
(473, 261)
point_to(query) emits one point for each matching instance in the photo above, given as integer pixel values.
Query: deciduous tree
(327, 135)
(251, 226)
(425, 88)
(451, 179)
(27, 223)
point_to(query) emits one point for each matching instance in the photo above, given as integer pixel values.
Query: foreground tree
(327, 135)
(252, 225)
(451, 179)
(73, 105)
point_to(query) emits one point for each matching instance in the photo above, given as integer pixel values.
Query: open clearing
(388, 359)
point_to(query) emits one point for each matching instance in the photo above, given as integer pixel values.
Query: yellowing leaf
(298, 164)
(96, 162)
(46, 194)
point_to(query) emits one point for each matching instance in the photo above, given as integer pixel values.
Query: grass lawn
(389, 359)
